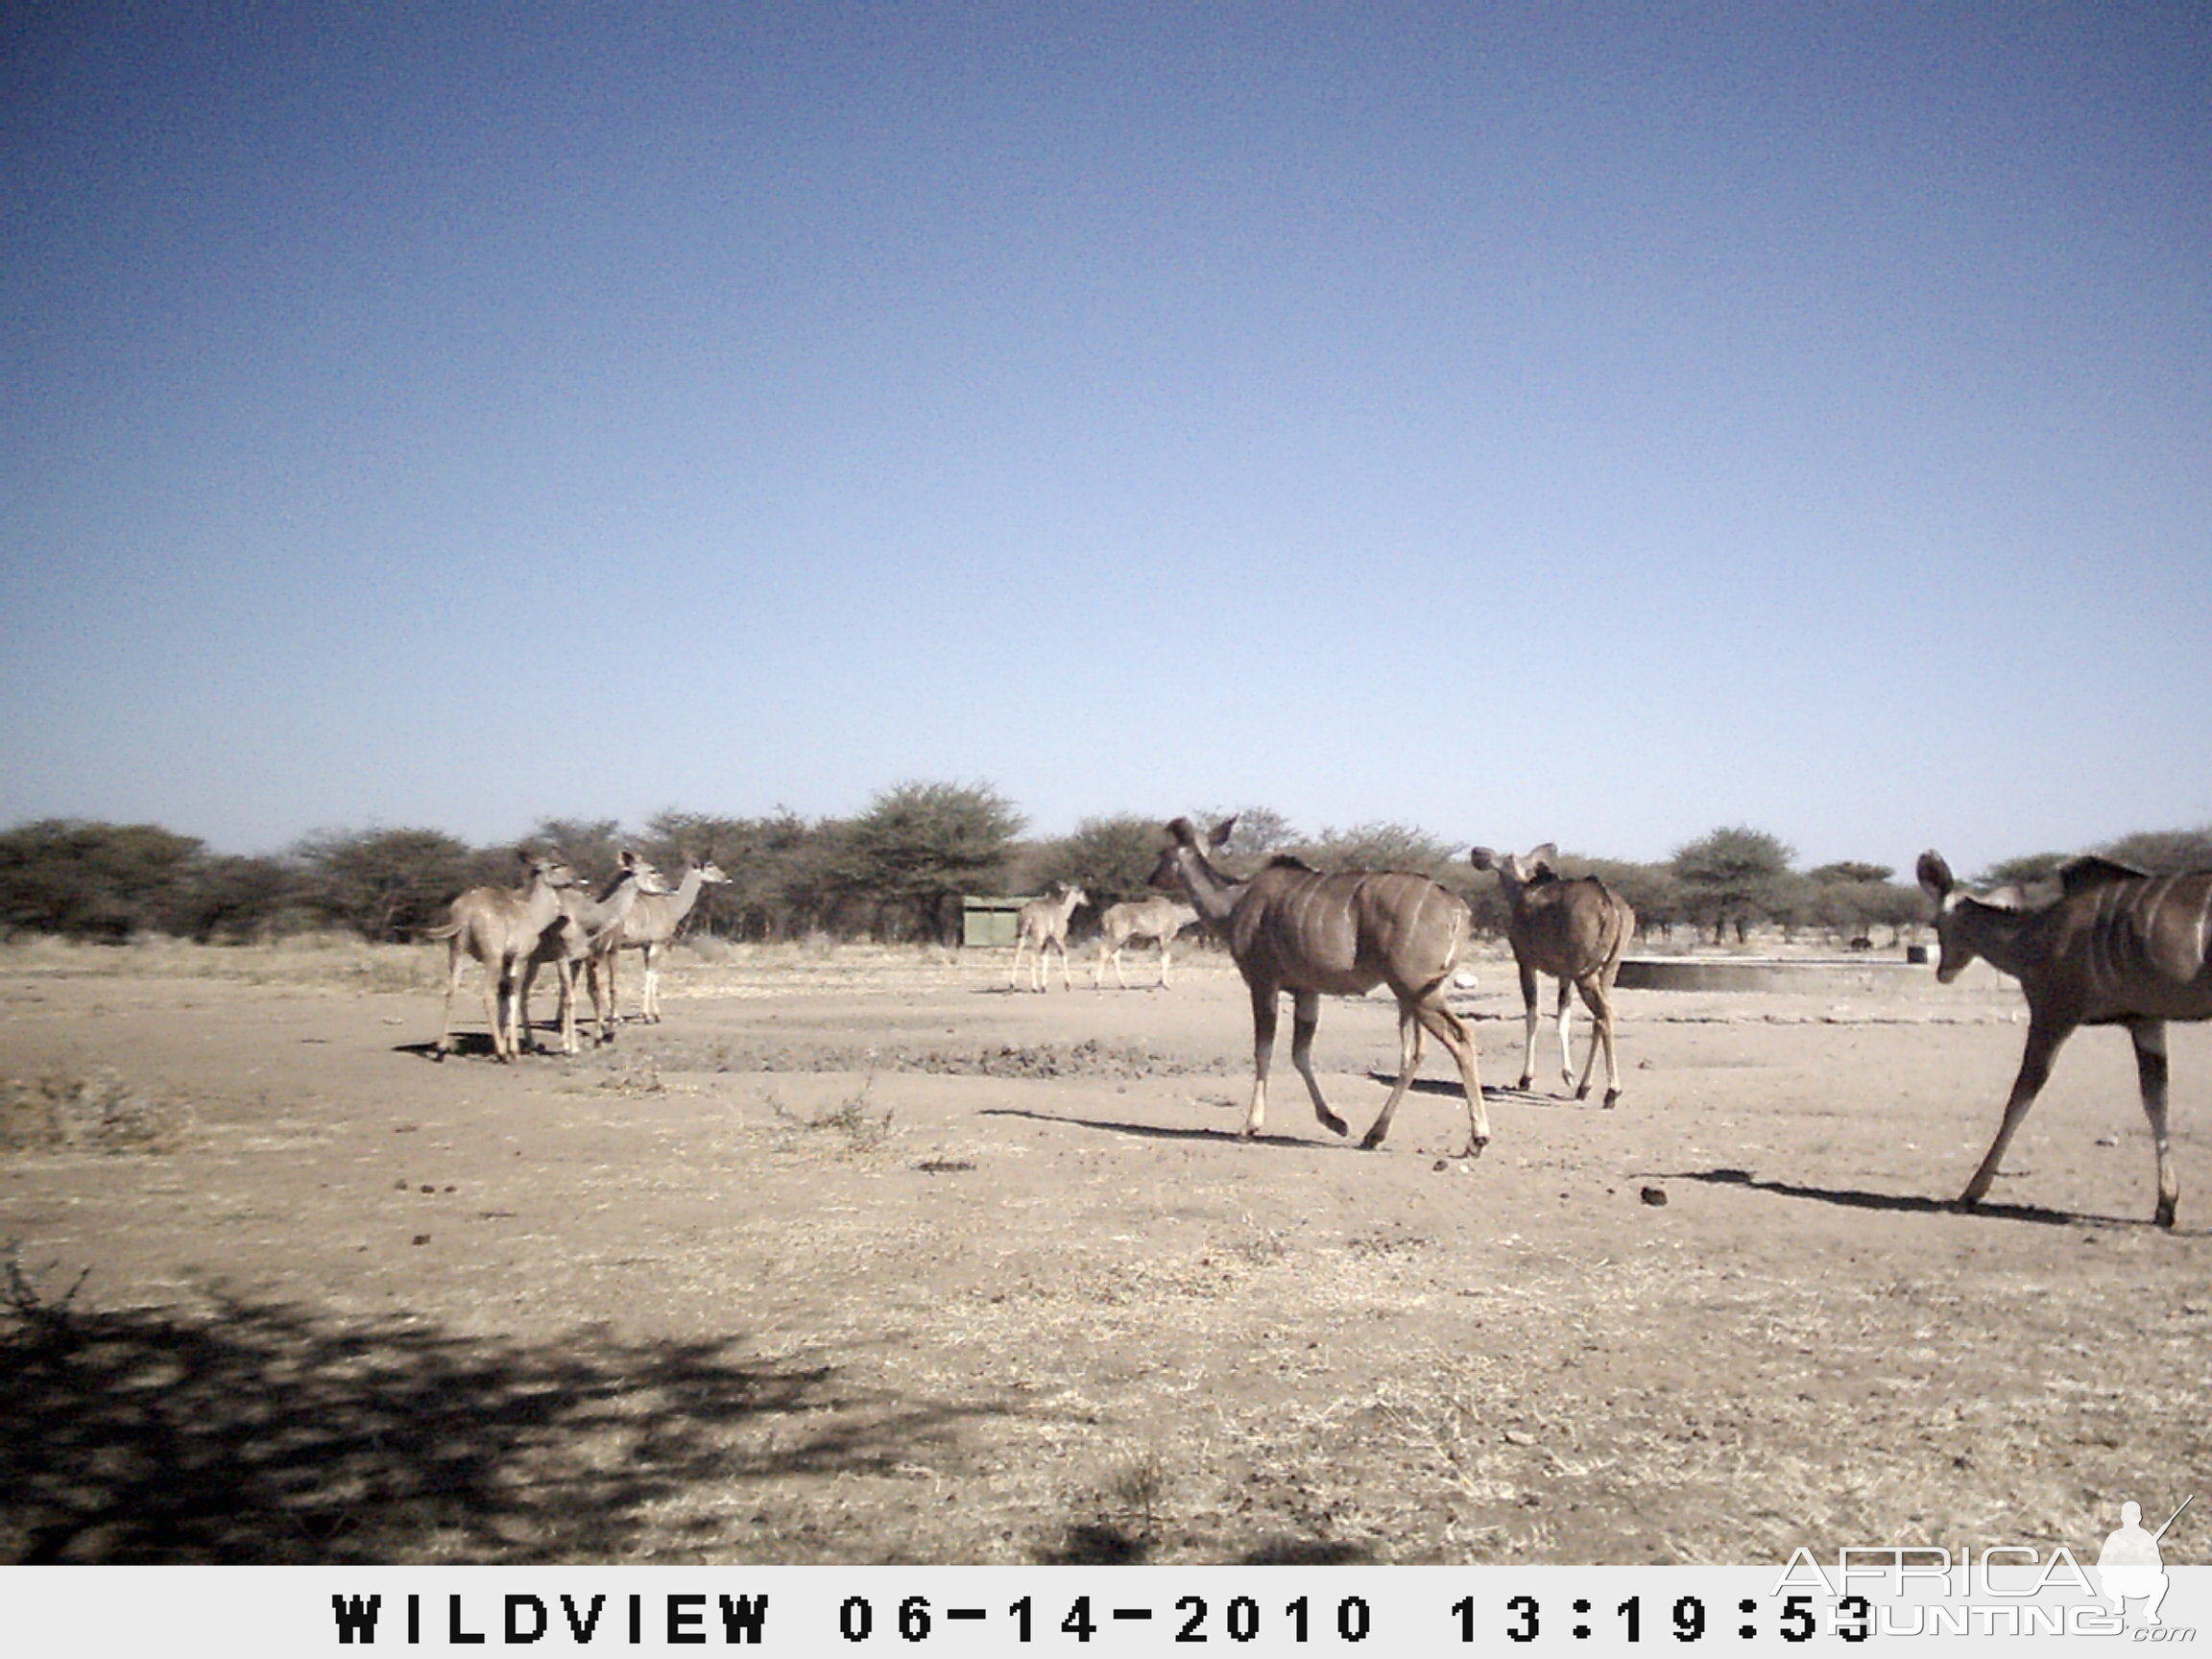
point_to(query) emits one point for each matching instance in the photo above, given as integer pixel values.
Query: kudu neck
(1213, 894)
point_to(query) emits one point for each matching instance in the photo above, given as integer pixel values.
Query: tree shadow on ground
(262, 1433)
(1853, 1198)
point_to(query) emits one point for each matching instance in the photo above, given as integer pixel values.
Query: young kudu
(2117, 947)
(1160, 919)
(567, 943)
(1045, 922)
(1574, 930)
(1294, 929)
(500, 927)
(649, 928)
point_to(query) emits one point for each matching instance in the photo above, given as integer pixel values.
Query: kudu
(1576, 929)
(1044, 921)
(1292, 927)
(500, 927)
(2117, 946)
(567, 943)
(1160, 919)
(649, 928)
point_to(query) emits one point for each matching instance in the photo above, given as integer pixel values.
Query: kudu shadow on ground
(253, 1431)
(1160, 1132)
(1855, 1198)
(472, 1044)
(1451, 1086)
(1120, 1126)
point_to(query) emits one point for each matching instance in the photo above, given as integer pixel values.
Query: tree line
(896, 871)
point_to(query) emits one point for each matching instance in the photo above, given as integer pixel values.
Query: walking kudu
(1294, 929)
(1160, 919)
(649, 928)
(567, 943)
(1574, 930)
(1045, 922)
(2117, 947)
(500, 927)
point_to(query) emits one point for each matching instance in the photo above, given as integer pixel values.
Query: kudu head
(1185, 868)
(709, 872)
(1515, 872)
(548, 867)
(645, 873)
(1961, 918)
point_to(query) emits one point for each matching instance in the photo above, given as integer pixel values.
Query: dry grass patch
(101, 1113)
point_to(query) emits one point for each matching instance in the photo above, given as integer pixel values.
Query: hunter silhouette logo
(2130, 1568)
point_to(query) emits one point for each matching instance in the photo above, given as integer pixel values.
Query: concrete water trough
(1818, 973)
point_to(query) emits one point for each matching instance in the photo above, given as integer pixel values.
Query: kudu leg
(1431, 1014)
(1262, 1054)
(1164, 963)
(1453, 1032)
(494, 1011)
(649, 999)
(527, 976)
(1408, 1062)
(570, 1042)
(1533, 1017)
(453, 962)
(2035, 1071)
(1566, 1019)
(1305, 1018)
(602, 998)
(2150, 1037)
(607, 1020)
(1599, 1002)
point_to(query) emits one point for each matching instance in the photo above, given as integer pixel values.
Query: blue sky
(1577, 422)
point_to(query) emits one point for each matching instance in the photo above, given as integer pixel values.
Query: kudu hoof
(2165, 1216)
(1612, 1099)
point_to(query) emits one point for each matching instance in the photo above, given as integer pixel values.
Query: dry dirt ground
(861, 1257)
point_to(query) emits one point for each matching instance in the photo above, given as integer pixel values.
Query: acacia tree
(1733, 878)
(238, 900)
(95, 881)
(593, 846)
(386, 884)
(919, 847)
(2163, 851)
(1378, 847)
(1112, 859)
(781, 868)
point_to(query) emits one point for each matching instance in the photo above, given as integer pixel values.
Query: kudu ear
(1182, 833)
(1219, 838)
(1935, 876)
(1544, 857)
(1482, 857)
